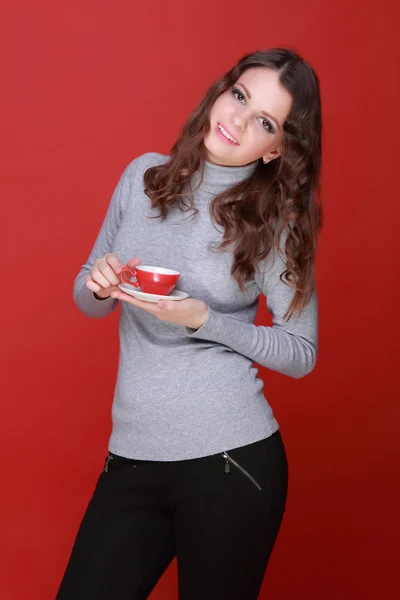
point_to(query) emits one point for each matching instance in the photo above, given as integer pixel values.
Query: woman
(197, 467)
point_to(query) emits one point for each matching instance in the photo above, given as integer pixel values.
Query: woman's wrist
(100, 297)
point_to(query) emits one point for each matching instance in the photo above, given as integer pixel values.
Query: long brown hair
(285, 190)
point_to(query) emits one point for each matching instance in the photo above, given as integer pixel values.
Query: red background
(87, 87)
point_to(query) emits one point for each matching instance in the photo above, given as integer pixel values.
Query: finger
(150, 306)
(133, 262)
(165, 305)
(99, 278)
(114, 262)
(147, 306)
(108, 272)
(91, 285)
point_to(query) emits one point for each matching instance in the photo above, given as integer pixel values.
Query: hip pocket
(113, 461)
(231, 461)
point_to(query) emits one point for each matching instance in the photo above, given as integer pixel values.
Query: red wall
(88, 87)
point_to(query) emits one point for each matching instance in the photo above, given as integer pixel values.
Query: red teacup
(152, 280)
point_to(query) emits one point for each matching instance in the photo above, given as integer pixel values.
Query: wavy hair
(284, 191)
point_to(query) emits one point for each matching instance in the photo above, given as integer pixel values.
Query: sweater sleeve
(83, 297)
(287, 347)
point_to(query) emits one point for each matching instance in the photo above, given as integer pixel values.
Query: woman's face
(253, 113)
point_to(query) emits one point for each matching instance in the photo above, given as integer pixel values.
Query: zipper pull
(107, 461)
(227, 465)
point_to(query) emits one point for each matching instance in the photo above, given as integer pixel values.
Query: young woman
(196, 466)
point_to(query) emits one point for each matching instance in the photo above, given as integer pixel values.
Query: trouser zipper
(106, 465)
(229, 459)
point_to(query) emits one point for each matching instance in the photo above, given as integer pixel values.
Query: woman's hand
(103, 277)
(189, 312)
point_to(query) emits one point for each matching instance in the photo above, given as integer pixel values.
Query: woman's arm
(289, 347)
(84, 298)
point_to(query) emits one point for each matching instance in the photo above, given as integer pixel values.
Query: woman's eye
(235, 91)
(269, 127)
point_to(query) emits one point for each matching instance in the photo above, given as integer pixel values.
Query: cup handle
(132, 273)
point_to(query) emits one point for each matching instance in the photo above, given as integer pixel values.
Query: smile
(226, 135)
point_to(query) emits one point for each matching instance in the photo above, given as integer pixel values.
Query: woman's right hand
(103, 277)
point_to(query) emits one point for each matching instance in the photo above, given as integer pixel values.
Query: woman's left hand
(189, 312)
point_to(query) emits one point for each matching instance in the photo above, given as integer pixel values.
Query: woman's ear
(271, 155)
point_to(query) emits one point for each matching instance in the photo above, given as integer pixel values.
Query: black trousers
(219, 515)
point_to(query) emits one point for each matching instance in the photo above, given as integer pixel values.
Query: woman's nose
(238, 123)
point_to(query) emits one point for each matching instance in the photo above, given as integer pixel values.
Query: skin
(259, 136)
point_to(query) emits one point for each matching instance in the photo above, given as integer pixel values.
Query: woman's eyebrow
(262, 111)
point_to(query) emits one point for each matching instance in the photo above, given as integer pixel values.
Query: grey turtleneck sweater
(182, 393)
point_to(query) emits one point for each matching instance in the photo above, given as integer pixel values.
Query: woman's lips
(221, 135)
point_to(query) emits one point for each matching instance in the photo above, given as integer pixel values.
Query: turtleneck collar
(218, 178)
